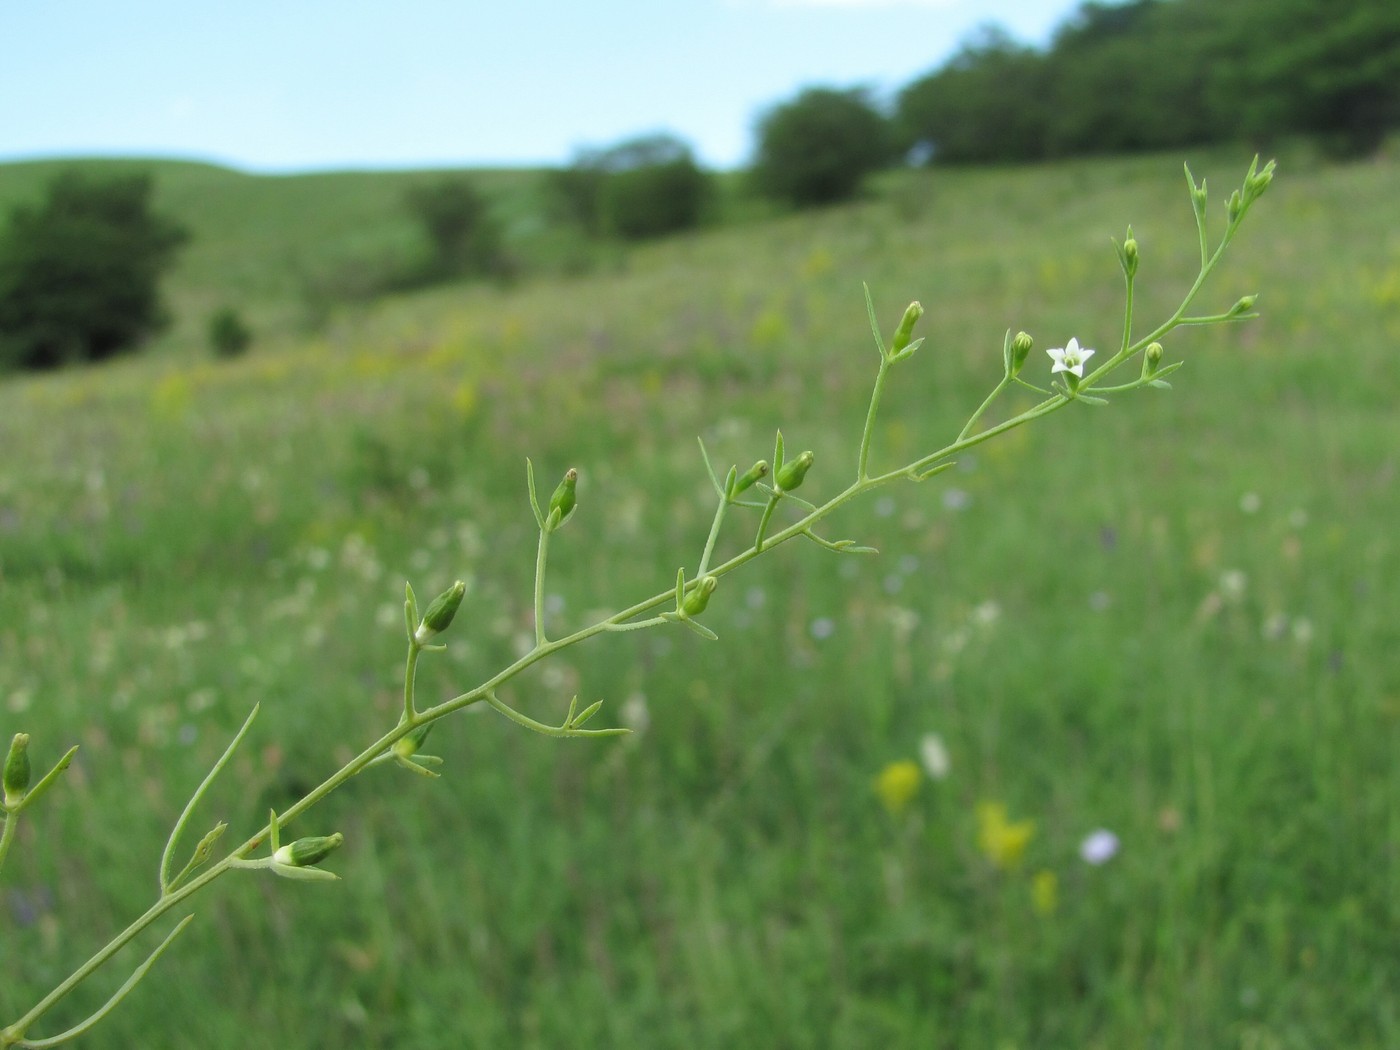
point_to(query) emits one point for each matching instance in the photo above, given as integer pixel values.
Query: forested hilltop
(1155, 74)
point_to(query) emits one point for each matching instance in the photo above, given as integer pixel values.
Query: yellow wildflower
(1045, 892)
(897, 785)
(1003, 842)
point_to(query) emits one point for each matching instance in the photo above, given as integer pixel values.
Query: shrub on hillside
(464, 238)
(818, 148)
(80, 272)
(229, 336)
(643, 187)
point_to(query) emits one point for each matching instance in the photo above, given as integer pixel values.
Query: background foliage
(1152, 74)
(816, 148)
(463, 236)
(79, 272)
(641, 188)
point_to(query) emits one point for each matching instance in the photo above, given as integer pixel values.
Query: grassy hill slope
(274, 246)
(1170, 617)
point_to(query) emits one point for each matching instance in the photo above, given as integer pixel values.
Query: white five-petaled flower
(1070, 358)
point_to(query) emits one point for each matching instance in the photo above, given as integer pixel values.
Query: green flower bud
(749, 478)
(794, 471)
(1245, 304)
(1152, 358)
(407, 746)
(440, 613)
(17, 771)
(308, 851)
(1258, 181)
(699, 597)
(1020, 350)
(562, 503)
(1235, 206)
(905, 332)
(1130, 254)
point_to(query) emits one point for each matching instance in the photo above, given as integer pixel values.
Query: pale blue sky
(314, 84)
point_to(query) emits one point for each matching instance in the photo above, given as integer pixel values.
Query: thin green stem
(1127, 315)
(1226, 318)
(763, 523)
(7, 835)
(410, 674)
(714, 535)
(565, 730)
(867, 434)
(996, 392)
(541, 557)
(1122, 388)
(1166, 326)
(637, 625)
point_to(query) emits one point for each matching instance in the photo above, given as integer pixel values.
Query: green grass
(180, 538)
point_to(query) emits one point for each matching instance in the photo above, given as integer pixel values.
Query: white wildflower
(1099, 847)
(1069, 358)
(933, 755)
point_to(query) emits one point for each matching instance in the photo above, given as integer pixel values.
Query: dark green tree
(1330, 70)
(644, 187)
(988, 103)
(464, 238)
(818, 148)
(1155, 74)
(1130, 76)
(575, 193)
(80, 272)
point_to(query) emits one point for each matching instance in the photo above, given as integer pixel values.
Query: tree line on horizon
(1158, 74)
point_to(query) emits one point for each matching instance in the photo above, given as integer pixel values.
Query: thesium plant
(757, 508)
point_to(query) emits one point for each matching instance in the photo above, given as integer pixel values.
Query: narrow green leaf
(709, 469)
(874, 324)
(167, 856)
(534, 498)
(202, 852)
(587, 713)
(934, 470)
(700, 629)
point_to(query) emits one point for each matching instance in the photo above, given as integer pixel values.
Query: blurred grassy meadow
(1169, 618)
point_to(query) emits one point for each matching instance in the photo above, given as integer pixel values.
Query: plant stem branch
(541, 556)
